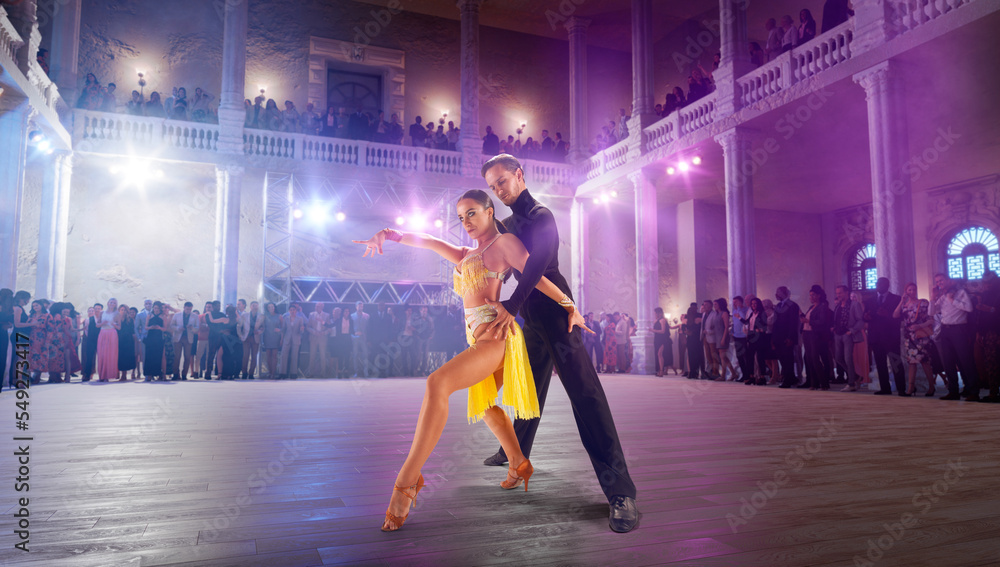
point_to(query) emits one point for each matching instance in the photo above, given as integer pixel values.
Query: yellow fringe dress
(519, 399)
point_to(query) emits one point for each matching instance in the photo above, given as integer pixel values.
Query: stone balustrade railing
(605, 160)
(914, 13)
(697, 114)
(127, 134)
(823, 52)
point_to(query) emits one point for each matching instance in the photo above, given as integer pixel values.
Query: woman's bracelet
(567, 303)
(393, 234)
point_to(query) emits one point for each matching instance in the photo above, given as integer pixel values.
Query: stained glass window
(973, 251)
(862, 273)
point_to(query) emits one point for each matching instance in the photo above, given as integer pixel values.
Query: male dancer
(548, 342)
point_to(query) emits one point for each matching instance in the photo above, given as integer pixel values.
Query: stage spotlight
(614, 193)
(438, 223)
(400, 221)
(317, 213)
(683, 165)
(35, 136)
(671, 171)
(597, 200)
(341, 216)
(45, 146)
(696, 160)
(297, 213)
(418, 221)
(605, 198)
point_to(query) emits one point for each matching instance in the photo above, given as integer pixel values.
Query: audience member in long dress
(107, 343)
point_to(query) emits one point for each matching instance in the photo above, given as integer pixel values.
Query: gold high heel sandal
(522, 472)
(397, 520)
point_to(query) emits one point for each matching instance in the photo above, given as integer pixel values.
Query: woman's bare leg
(465, 370)
(502, 428)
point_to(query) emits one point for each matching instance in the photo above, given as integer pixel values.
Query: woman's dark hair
(818, 290)
(40, 304)
(231, 313)
(658, 310)
(756, 305)
(723, 304)
(479, 196)
(21, 297)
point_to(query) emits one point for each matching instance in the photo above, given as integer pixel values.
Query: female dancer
(489, 363)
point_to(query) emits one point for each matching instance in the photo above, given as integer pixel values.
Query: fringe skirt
(518, 398)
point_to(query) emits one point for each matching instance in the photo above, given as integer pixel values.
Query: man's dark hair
(188, 304)
(508, 162)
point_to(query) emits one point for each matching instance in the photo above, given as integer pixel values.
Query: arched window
(973, 251)
(861, 268)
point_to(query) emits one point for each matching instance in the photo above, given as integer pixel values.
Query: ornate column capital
(736, 139)
(577, 25)
(466, 6)
(875, 79)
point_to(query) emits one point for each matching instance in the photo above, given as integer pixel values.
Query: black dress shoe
(883, 393)
(624, 514)
(972, 398)
(951, 396)
(904, 395)
(497, 460)
(803, 386)
(785, 386)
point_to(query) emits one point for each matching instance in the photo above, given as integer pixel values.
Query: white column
(891, 193)
(578, 131)
(234, 54)
(647, 271)
(52, 228)
(739, 211)
(228, 185)
(65, 52)
(579, 250)
(469, 141)
(642, 58)
(14, 114)
(735, 54)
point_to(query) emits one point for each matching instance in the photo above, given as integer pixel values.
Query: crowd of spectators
(953, 336)
(241, 341)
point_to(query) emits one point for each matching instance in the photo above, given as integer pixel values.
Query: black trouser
(214, 344)
(549, 344)
(786, 357)
(696, 358)
(89, 357)
(956, 346)
(817, 359)
(888, 348)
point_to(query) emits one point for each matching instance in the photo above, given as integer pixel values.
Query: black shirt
(535, 226)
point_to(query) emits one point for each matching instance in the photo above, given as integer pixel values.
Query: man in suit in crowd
(293, 324)
(140, 329)
(250, 332)
(883, 336)
(786, 335)
(317, 341)
(184, 329)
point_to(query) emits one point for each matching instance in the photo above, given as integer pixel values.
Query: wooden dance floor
(300, 472)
